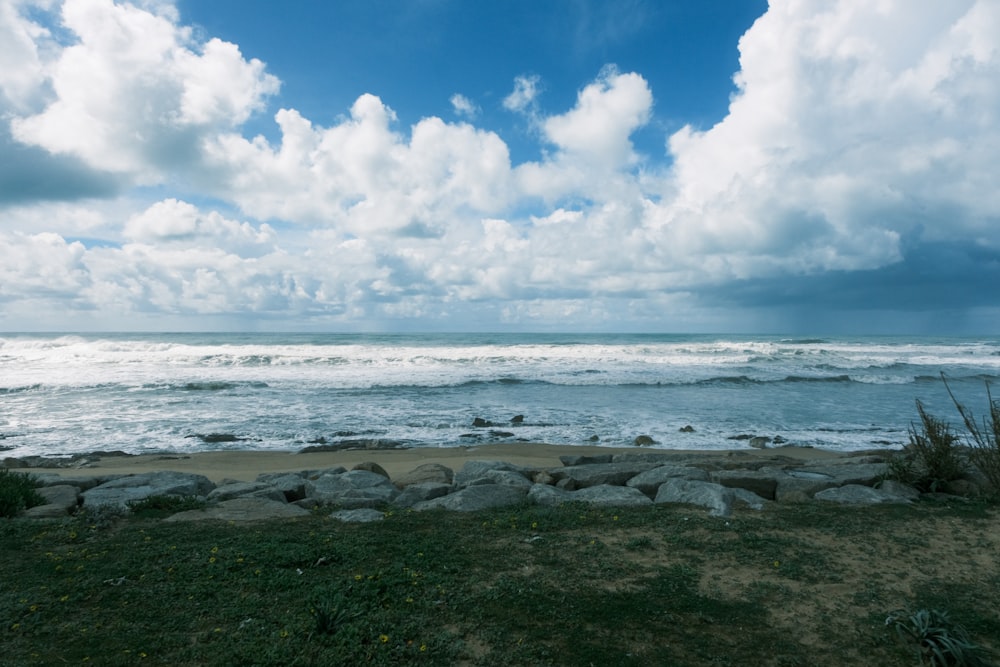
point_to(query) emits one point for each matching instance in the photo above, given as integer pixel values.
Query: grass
(793, 585)
(17, 492)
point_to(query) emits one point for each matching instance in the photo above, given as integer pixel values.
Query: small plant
(17, 493)
(931, 459)
(158, 507)
(100, 517)
(984, 446)
(940, 642)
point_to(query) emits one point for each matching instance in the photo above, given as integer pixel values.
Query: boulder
(363, 515)
(426, 473)
(582, 460)
(353, 489)
(858, 494)
(717, 498)
(251, 489)
(129, 488)
(649, 482)
(473, 470)
(415, 493)
(475, 498)
(615, 474)
(761, 482)
(242, 509)
(549, 496)
(509, 477)
(371, 466)
(292, 486)
(606, 495)
(60, 500)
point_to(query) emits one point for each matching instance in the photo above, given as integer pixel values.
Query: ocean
(175, 393)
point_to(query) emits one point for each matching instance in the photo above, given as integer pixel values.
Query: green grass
(795, 585)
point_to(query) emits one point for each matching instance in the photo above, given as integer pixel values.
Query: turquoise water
(62, 394)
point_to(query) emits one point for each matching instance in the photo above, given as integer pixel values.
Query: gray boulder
(549, 496)
(242, 509)
(477, 470)
(129, 488)
(363, 515)
(649, 482)
(762, 482)
(415, 493)
(606, 495)
(716, 498)
(353, 489)
(371, 466)
(60, 500)
(615, 474)
(477, 497)
(426, 473)
(292, 486)
(858, 494)
(241, 489)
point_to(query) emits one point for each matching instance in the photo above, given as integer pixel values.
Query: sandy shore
(246, 465)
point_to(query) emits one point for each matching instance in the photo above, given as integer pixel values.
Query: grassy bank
(794, 585)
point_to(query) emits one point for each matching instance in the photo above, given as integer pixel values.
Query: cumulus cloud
(522, 99)
(855, 164)
(463, 106)
(133, 93)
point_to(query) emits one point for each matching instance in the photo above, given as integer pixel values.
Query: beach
(245, 465)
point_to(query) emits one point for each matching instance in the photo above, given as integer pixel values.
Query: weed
(17, 493)
(939, 641)
(157, 507)
(984, 447)
(931, 459)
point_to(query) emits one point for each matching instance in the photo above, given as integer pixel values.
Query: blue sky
(718, 166)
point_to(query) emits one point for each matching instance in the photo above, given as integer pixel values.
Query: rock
(60, 500)
(242, 509)
(643, 441)
(549, 496)
(649, 481)
(129, 488)
(473, 470)
(371, 466)
(426, 473)
(475, 498)
(585, 460)
(293, 487)
(542, 477)
(249, 489)
(352, 490)
(508, 477)
(759, 442)
(858, 494)
(865, 474)
(415, 493)
(616, 474)
(763, 483)
(363, 515)
(895, 488)
(687, 429)
(606, 495)
(717, 498)
(517, 419)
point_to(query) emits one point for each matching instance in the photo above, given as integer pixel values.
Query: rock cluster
(717, 483)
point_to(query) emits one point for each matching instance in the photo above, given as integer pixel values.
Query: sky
(723, 166)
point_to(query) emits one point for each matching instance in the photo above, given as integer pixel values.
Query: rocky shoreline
(716, 481)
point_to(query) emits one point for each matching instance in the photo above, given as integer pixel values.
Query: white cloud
(855, 125)
(526, 91)
(135, 94)
(858, 132)
(463, 106)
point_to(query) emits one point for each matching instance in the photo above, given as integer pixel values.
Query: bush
(158, 507)
(931, 459)
(939, 642)
(984, 445)
(17, 493)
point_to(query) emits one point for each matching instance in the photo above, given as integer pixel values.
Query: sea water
(141, 393)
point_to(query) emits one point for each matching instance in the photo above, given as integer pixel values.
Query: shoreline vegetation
(801, 556)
